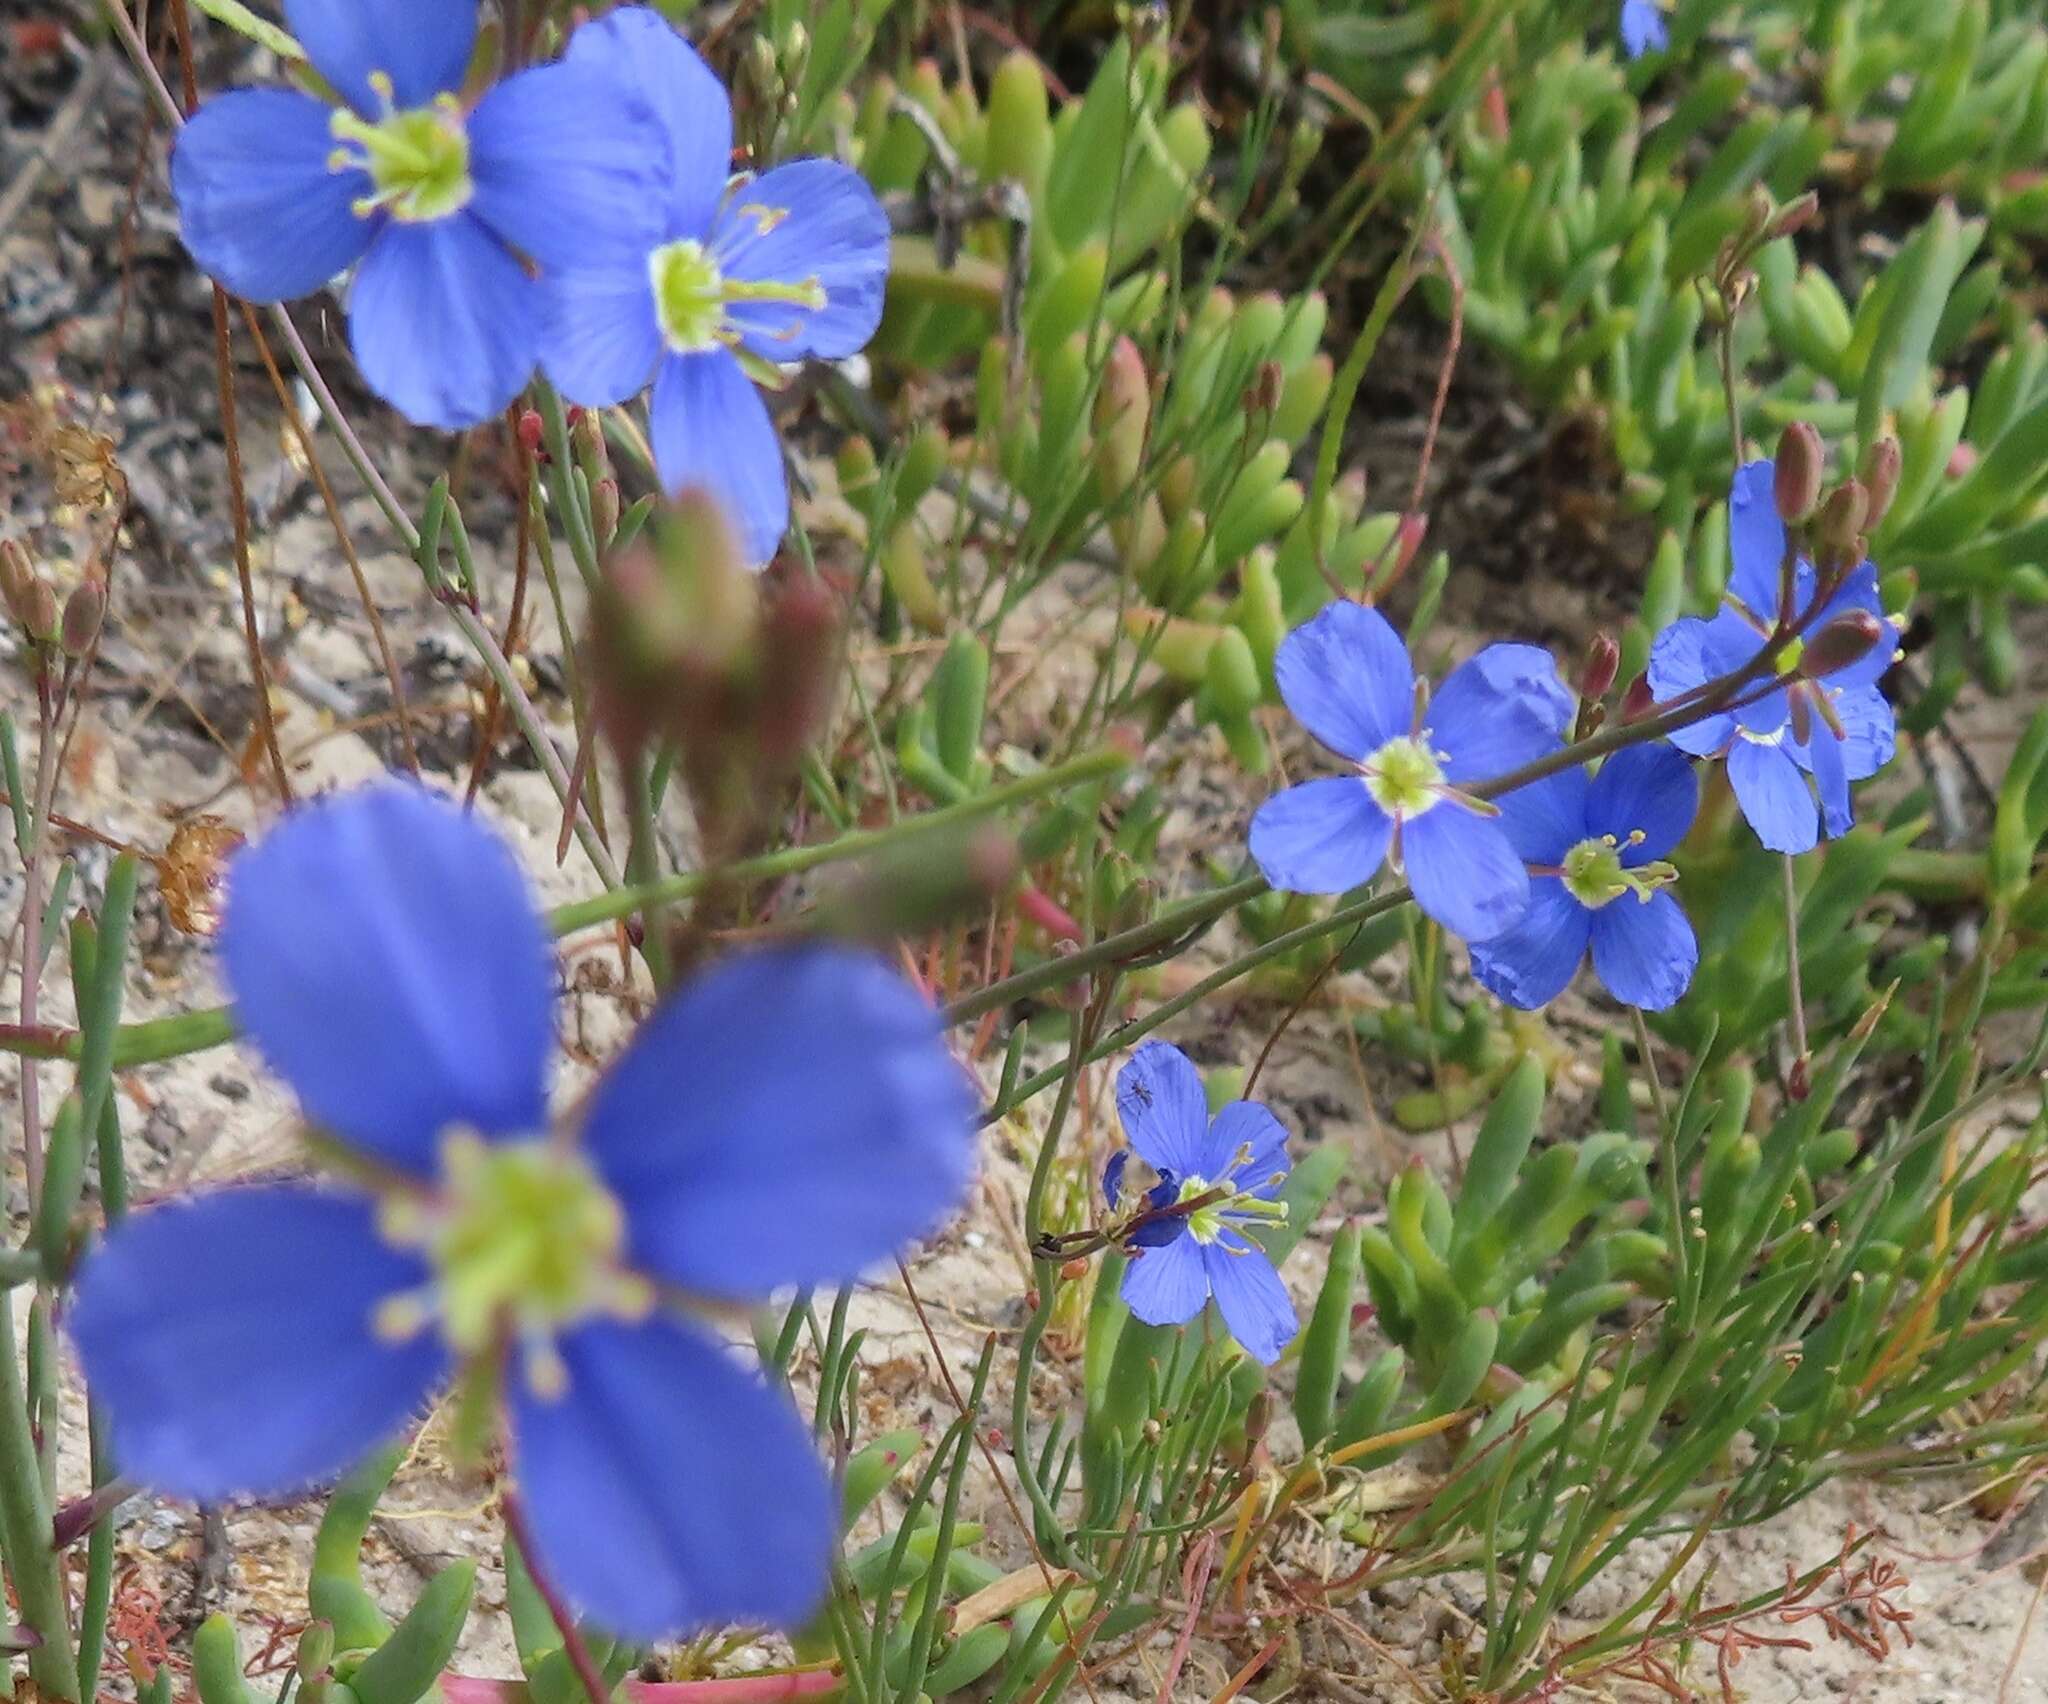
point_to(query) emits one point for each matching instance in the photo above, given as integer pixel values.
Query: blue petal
(1247, 1124)
(230, 1338)
(1254, 1303)
(644, 57)
(1648, 789)
(822, 223)
(1546, 819)
(711, 430)
(257, 206)
(1320, 837)
(567, 171)
(422, 45)
(385, 955)
(1756, 540)
(1113, 1178)
(668, 1490)
(1532, 963)
(1644, 950)
(444, 322)
(1464, 872)
(1164, 1110)
(1870, 731)
(1823, 756)
(602, 343)
(1497, 711)
(791, 1116)
(1773, 796)
(1857, 594)
(1643, 29)
(1730, 643)
(1167, 1285)
(1346, 676)
(1678, 664)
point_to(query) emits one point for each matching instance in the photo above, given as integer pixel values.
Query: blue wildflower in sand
(1814, 733)
(442, 209)
(1597, 879)
(1346, 676)
(741, 274)
(1216, 1177)
(789, 1117)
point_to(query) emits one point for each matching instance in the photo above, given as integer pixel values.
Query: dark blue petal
(1644, 950)
(642, 54)
(1254, 1303)
(423, 46)
(1320, 837)
(1647, 789)
(1159, 1231)
(1497, 711)
(1165, 1113)
(711, 430)
(1546, 819)
(444, 322)
(824, 225)
(601, 344)
(1678, 664)
(1822, 755)
(1756, 540)
(1532, 963)
(257, 206)
(1346, 676)
(1643, 29)
(1774, 796)
(1167, 1285)
(1113, 1178)
(669, 1490)
(566, 171)
(1241, 1125)
(791, 1116)
(385, 955)
(1464, 872)
(230, 1339)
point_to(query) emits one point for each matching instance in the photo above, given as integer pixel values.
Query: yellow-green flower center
(692, 293)
(1789, 657)
(418, 160)
(1205, 1223)
(524, 1239)
(1404, 777)
(1593, 873)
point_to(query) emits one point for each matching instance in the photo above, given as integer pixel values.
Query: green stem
(33, 1565)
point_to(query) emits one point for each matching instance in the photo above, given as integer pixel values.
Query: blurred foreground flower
(1643, 28)
(1831, 722)
(748, 274)
(443, 207)
(1595, 850)
(1346, 675)
(1216, 1177)
(788, 1118)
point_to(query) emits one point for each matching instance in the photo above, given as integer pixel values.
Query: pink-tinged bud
(1838, 538)
(79, 625)
(1845, 640)
(1123, 410)
(531, 434)
(38, 612)
(1262, 395)
(1639, 700)
(1596, 675)
(1407, 545)
(17, 576)
(1799, 1080)
(1075, 1269)
(1493, 109)
(1880, 472)
(604, 509)
(1795, 485)
(1961, 460)
(1795, 215)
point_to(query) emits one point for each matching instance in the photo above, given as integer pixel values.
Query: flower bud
(531, 434)
(604, 509)
(586, 439)
(16, 575)
(84, 610)
(1845, 640)
(316, 1650)
(1262, 395)
(1795, 484)
(1639, 700)
(38, 612)
(1596, 675)
(1796, 215)
(1880, 475)
(1122, 411)
(1839, 543)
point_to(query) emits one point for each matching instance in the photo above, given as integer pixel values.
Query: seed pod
(1795, 482)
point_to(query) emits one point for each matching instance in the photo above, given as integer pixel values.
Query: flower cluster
(580, 216)
(788, 1118)
(1534, 861)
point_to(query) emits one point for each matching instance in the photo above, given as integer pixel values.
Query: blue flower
(788, 1118)
(1233, 1165)
(1346, 676)
(1836, 729)
(278, 192)
(1595, 850)
(749, 273)
(1643, 29)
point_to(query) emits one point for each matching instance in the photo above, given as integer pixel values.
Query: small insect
(1140, 1091)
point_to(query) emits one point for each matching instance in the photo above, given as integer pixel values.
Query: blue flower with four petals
(1217, 1176)
(788, 1118)
(1790, 741)
(738, 273)
(1346, 676)
(443, 209)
